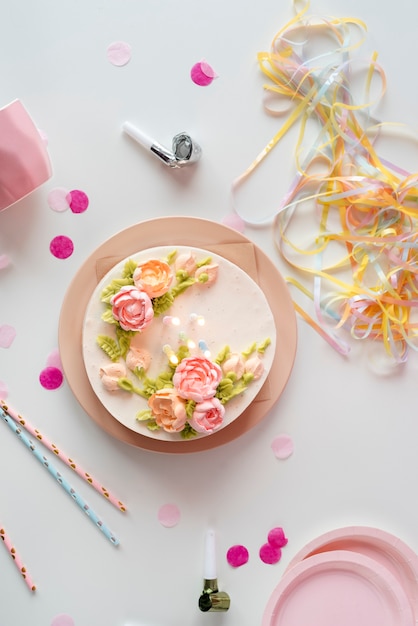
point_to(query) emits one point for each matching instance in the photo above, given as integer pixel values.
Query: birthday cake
(177, 342)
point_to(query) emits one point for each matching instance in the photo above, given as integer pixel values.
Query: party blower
(211, 598)
(184, 150)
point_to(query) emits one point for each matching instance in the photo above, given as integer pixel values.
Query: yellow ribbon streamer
(366, 208)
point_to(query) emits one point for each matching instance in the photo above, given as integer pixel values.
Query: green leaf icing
(171, 257)
(188, 432)
(114, 287)
(110, 347)
(129, 269)
(143, 416)
(203, 262)
(250, 350)
(262, 347)
(163, 303)
(107, 316)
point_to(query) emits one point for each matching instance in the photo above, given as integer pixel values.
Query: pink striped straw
(65, 459)
(16, 558)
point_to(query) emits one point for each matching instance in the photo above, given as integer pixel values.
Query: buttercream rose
(207, 274)
(255, 366)
(196, 378)
(138, 358)
(186, 262)
(234, 364)
(132, 308)
(207, 416)
(110, 375)
(168, 409)
(154, 277)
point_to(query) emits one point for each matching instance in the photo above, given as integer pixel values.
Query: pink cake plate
(339, 588)
(384, 548)
(185, 231)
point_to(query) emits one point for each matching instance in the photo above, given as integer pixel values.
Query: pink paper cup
(24, 160)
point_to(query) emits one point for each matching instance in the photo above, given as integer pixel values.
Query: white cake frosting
(217, 332)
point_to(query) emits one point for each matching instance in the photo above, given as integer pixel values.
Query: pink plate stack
(355, 575)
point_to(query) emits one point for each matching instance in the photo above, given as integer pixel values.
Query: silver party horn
(184, 150)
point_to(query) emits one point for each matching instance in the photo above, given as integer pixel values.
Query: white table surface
(355, 431)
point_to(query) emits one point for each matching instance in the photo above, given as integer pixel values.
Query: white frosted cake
(177, 342)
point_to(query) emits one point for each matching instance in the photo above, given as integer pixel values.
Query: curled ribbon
(362, 260)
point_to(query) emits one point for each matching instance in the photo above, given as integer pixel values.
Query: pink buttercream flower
(196, 378)
(234, 364)
(186, 262)
(207, 274)
(138, 357)
(207, 416)
(132, 308)
(154, 277)
(110, 375)
(168, 409)
(255, 366)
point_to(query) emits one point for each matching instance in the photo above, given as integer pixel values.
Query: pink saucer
(339, 588)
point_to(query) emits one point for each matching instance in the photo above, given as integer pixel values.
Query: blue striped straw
(59, 478)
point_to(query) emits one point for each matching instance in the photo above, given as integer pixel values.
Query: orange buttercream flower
(154, 277)
(168, 409)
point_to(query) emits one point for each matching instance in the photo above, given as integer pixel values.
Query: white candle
(142, 138)
(210, 556)
(169, 320)
(204, 348)
(170, 354)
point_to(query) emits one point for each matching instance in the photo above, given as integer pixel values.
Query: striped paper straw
(59, 453)
(16, 558)
(58, 477)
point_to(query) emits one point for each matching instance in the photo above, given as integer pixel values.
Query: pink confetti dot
(4, 390)
(51, 378)
(277, 538)
(202, 74)
(57, 199)
(282, 446)
(54, 359)
(270, 554)
(169, 515)
(61, 247)
(62, 620)
(78, 201)
(7, 335)
(119, 53)
(4, 261)
(234, 221)
(237, 556)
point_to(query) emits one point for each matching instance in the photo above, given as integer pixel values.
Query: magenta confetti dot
(61, 247)
(237, 556)
(277, 538)
(57, 199)
(7, 335)
(51, 378)
(78, 201)
(270, 554)
(62, 620)
(234, 221)
(282, 446)
(169, 515)
(119, 53)
(202, 74)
